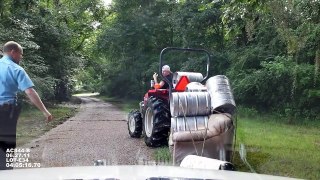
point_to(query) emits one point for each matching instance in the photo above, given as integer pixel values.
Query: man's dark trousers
(9, 115)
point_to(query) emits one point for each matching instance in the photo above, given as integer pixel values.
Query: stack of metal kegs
(190, 109)
(201, 118)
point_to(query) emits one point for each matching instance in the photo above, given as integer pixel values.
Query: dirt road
(97, 132)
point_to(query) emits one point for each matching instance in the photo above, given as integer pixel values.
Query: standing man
(13, 78)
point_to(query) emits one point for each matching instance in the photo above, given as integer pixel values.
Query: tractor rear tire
(157, 122)
(135, 124)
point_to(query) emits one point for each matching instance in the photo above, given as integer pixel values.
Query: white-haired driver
(166, 73)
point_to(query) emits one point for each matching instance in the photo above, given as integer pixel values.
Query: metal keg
(190, 104)
(192, 77)
(196, 87)
(221, 95)
(194, 123)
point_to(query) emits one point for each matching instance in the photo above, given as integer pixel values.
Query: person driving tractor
(163, 84)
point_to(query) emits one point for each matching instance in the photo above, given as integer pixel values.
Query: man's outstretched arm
(35, 99)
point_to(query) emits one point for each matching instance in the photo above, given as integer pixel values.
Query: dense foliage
(53, 34)
(269, 49)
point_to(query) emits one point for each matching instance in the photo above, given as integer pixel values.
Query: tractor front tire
(157, 122)
(135, 124)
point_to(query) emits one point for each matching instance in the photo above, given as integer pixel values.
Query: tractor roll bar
(182, 49)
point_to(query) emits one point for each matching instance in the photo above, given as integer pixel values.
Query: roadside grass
(163, 155)
(279, 148)
(32, 124)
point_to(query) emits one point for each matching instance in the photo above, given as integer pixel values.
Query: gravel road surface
(97, 132)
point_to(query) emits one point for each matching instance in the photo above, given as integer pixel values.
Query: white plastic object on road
(198, 162)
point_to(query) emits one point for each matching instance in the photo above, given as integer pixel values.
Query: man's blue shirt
(12, 78)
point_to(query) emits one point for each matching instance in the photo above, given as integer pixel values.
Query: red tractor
(153, 119)
(185, 112)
